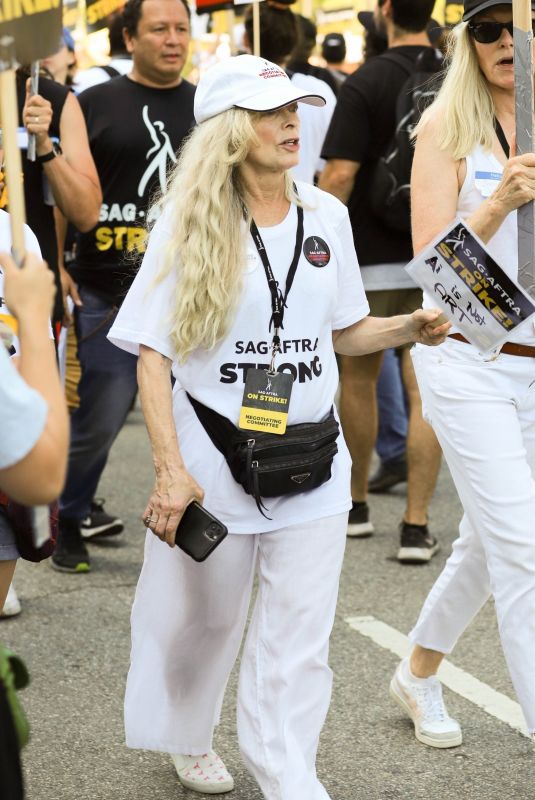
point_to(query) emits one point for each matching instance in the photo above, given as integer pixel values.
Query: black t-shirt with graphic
(134, 134)
(361, 128)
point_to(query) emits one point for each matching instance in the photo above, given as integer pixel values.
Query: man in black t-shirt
(361, 129)
(136, 124)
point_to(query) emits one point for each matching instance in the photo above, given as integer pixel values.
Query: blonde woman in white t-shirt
(482, 408)
(200, 306)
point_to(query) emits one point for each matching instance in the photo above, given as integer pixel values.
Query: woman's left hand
(428, 326)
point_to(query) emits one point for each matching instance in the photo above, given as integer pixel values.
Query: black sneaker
(388, 474)
(417, 546)
(71, 553)
(358, 524)
(99, 523)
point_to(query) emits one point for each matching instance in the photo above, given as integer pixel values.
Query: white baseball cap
(247, 82)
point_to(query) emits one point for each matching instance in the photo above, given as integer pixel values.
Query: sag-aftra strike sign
(35, 26)
(481, 300)
(98, 11)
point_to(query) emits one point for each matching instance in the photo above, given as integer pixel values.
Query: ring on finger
(36, 120)
(149, 521)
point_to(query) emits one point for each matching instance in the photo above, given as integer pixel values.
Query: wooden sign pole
(256, 29)
(12, 161)
(525, 139)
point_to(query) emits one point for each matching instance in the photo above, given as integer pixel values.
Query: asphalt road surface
(74, 636)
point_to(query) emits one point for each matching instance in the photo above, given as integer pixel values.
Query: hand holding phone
(199, 532)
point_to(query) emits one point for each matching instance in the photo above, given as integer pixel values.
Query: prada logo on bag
(300, 478)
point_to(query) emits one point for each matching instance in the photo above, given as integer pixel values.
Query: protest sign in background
(207, 6)
(35, 25)
(453, 11)
(73, 11)
(98, 11)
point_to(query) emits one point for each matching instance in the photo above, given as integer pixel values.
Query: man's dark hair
(115, 35)
(306, 38)
(278, 32)
(132, 14)
(411, 15)
(374, 45)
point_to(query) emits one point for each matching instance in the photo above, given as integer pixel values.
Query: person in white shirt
(201, 307)
(481, 407)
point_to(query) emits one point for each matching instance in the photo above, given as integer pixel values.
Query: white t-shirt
(322, 299)
(315, 122)
(23, 414)
(32, 245)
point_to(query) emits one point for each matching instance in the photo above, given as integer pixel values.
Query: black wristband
(56, 151)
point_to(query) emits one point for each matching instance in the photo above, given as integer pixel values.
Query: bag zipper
(265, 447)
(282, 461)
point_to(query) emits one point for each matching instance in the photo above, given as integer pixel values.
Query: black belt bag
(271, 465)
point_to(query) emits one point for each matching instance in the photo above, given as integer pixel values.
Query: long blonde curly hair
(206, 212)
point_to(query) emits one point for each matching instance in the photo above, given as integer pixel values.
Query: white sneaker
(421, 699)
(12, 604)
(205, 774)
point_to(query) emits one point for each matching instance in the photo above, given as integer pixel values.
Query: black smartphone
(199, 532)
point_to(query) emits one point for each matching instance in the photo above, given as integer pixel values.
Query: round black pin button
(316, 251)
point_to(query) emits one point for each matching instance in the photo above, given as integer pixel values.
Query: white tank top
(483, 173)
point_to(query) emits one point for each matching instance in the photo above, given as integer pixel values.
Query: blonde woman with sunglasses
(482, 408)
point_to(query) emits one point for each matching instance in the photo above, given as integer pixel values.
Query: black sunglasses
(488, 32)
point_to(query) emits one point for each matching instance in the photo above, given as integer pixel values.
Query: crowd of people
(179, 223)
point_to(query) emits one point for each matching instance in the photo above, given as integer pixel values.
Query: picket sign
(524, 109)
(471, 289)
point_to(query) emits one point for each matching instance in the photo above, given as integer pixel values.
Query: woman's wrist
(34, 330)
(488, 218)
(168, 467)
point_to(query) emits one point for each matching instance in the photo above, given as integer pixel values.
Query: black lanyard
(278, 299)
(501, 137)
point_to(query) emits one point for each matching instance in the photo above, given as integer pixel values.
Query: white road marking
(456, 679)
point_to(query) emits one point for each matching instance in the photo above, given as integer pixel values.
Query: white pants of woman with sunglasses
(483, 412)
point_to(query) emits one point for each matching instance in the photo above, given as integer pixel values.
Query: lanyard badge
(266, 396)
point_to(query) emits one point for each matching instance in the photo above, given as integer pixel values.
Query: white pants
(187, 624)
(483, 413)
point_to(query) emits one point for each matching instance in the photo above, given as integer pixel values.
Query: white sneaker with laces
(12, 604)
(421, 699)
(205, 774)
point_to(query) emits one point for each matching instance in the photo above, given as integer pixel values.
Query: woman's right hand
(517, 186)
(169, 499)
